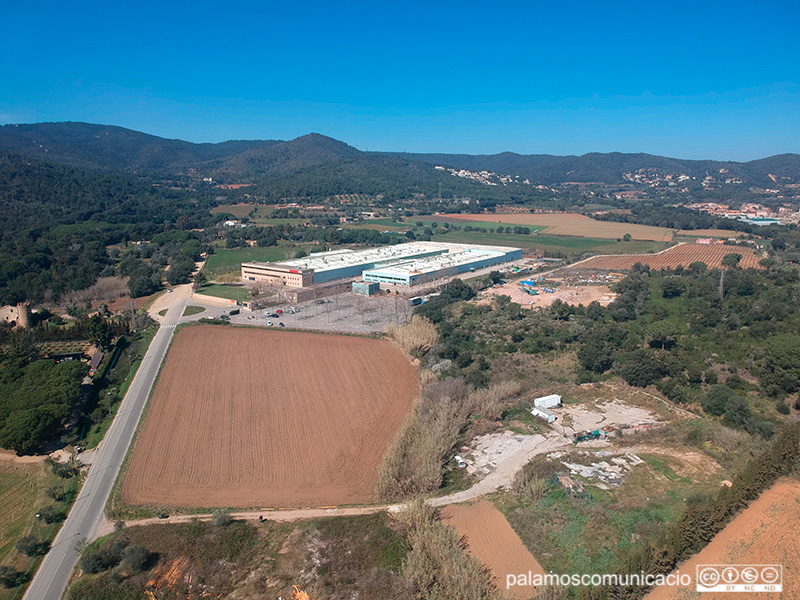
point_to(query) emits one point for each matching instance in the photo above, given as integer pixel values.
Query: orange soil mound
(573, 224)
(767, 532)
(492, 541)
(251, 418)
(682, 254)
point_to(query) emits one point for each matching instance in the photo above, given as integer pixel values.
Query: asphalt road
(86, 515)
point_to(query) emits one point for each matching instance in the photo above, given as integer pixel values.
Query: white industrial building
(455, 259)
(403, 264)
(542, 405)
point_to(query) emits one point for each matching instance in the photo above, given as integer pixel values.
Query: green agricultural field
(22, 494)
(382, 222)
(269, 221)
(574, 245)
(230, 292)
(395, 227)
(230, 260)
(541, 242)
(427, 222)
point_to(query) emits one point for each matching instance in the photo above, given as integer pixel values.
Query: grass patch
(591, 534)
(229, 292)
(163, 313)
(226, 260)
(193, 310)
(22, 494)
(660, 465)
(328, 558)
(545, 242)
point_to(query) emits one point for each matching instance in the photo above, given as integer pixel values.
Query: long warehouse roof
(431, 264)
(337, 259)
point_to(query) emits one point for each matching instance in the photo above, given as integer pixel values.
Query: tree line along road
(87, 512)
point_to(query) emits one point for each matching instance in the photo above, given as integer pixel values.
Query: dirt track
(492, 541)
(249, 418)
(768, 532)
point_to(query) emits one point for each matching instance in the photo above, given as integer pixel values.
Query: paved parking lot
(345, 313)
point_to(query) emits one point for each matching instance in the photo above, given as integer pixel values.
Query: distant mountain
(285, 157)
(317, 162)
(116, 148)
(610, 167)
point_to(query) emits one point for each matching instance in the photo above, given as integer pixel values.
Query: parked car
(225, 317)
(280, 325)
(169, 290)
(269, 323)
(163, 516)
(279, 311)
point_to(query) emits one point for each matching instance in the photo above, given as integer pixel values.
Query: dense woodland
(724, 341)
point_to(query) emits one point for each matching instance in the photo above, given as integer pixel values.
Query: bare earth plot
(258, 418)
(573, 295)
(491, 540)
(719, 233)
(680, 255)
(574, 225)
(768, 532)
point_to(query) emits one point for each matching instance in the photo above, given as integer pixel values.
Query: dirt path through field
(492, 541)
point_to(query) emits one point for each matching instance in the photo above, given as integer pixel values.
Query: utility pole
(133, 317)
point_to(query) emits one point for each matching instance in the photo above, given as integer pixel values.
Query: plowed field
(257, 418)
(492, 541)
(767, 532)
(682, 254)
(572, 224)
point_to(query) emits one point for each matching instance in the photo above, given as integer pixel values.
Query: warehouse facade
(402, 264)
(459, 260)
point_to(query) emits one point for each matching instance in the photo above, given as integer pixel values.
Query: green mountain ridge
(293, 163)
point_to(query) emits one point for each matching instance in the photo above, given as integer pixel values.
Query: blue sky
(689, 79)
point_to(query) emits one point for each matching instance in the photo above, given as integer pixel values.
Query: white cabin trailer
(547, 415)
(551, 401)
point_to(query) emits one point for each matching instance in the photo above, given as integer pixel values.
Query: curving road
(87, 513)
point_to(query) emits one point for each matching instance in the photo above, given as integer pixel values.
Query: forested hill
(117, 148)
(317, 162)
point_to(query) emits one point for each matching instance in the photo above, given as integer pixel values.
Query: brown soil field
(767, 532)
(258, 418)
(492, 541)
(682, 254)
(574, 225)
(719, 233)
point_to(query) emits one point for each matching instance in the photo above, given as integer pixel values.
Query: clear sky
(696, 79)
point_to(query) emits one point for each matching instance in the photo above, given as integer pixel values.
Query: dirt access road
(492, 541)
